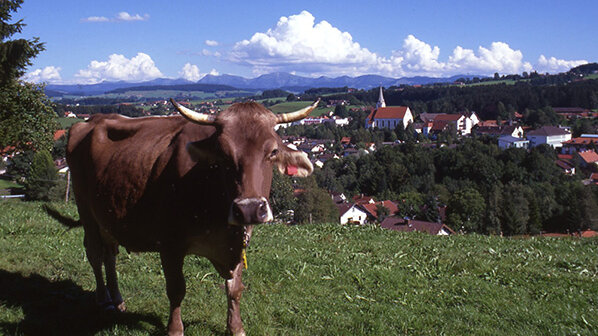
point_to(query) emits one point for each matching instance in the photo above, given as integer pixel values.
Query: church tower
(381, 102)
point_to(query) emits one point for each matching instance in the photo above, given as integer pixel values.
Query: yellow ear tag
(244, 256)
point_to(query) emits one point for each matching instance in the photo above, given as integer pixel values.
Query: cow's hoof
(121, 307)
(242, 333)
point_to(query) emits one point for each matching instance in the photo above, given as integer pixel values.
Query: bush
(41, 178)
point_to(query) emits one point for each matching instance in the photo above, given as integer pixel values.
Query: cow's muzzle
(246, 211)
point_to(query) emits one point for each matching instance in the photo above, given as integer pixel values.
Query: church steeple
(381, 102)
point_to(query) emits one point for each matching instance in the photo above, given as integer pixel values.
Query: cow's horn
(196, 117)
(297, 115)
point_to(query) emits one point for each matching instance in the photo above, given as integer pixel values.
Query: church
(388, 117)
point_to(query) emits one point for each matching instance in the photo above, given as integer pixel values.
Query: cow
(178, 185)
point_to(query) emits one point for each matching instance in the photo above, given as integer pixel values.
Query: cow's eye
(274, 153)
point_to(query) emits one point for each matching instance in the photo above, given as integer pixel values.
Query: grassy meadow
(307, 280)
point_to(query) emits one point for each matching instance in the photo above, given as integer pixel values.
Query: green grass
(5, 184)
(308, 280)
(68, 122)
(297, 105)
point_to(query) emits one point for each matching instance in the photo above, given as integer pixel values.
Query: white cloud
(124, 16)
(190, 72)
(49, 74)
(212, 43)
(95, 19)
(498, 58)
(206, 52)
(554, 65)
(120, 17)
(298, 43)
(118, 67)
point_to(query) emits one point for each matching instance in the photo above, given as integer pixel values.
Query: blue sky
(92, 41)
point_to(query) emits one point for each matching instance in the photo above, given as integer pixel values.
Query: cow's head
(246, 140)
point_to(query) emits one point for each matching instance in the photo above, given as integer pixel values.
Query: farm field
(307, 280)
(297, 105)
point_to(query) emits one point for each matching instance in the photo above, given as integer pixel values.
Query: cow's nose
(246, 211)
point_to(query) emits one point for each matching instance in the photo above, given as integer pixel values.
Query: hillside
(308, 280)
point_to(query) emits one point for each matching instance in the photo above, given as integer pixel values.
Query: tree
(466, 210)
(281, 195)
(41, 178)
(26, 117)
(27, 120)
(315, 205)
(15, 55)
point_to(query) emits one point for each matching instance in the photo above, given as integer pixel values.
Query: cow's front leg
(172, 264)
(234, 289)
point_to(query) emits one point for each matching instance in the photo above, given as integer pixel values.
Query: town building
(388, 117)
(550, 135)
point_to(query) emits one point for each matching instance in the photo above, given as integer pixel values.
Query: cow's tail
(69, 222)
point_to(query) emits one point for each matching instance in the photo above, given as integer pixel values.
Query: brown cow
(176, 187)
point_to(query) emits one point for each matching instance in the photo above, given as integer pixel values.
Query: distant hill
(293, 82)
(178, 87)
(278, 80)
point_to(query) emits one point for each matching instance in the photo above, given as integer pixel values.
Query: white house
(389, 117)
(553, 136)
(351, 214)
(508, 141)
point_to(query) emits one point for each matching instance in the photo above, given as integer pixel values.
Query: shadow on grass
(62, 308)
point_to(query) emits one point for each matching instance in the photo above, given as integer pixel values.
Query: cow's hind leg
(112, 279)
(172, 264)
(94, 248)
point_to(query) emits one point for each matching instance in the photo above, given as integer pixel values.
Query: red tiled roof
(439, 125)
(565, 156)
(589, 234)
(392, 112)
(360, 199)
(59, 134)
(581, 141)
(448, 117)
(588, 156)
(372, 209)
(401, 225)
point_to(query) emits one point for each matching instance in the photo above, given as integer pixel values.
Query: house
(361, 199)
(498, 131)
(372, 208)
(566, 167)
(442, 121)
(594, 178)
(338, 198)
(508, 141)
(587, 158)
(550, 135)
(389, 117)
(350, 213)
(345, 141)
(403, 225)
(585, 141)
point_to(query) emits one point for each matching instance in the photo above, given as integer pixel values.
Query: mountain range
(278, 80)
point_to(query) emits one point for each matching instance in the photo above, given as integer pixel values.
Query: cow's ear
(295, 163)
